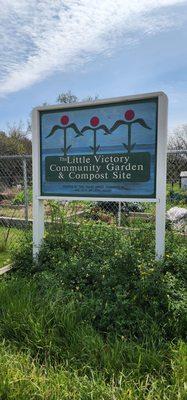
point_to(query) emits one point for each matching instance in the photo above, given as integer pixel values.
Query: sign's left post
(38, 205)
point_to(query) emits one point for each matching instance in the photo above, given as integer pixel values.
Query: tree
(68, 97)
(90, 99)
(177, 161)
(178, 138)
(15, 141)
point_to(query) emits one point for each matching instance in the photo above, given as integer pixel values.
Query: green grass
(23, 378)
(14, 235)
(93, 322)
(7, 240)
(48, 352)
(4, 258)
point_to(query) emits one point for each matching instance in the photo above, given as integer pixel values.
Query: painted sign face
(100, 150)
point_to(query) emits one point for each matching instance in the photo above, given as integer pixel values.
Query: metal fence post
(119, 213)
(26, 199)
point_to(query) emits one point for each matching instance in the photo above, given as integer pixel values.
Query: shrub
(113, 280)
(20, 197)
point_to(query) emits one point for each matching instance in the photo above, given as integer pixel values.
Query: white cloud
(39, 37)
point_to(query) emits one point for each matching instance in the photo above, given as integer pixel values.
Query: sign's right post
(161, 175)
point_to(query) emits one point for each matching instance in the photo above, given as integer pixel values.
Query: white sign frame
(160, 199)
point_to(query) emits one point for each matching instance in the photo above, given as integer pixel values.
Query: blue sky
(103, 48)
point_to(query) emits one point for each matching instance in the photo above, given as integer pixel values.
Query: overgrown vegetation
(20, 197)
(110, 275)
(94, 318)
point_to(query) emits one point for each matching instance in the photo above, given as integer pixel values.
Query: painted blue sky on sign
(107, 115)
(144, 138)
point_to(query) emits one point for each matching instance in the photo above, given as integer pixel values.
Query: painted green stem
(65, 142)
(129, 138)
(95, 142)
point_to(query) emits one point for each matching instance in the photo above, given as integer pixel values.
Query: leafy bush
(20, 197)
(112, 279)
(94, 317)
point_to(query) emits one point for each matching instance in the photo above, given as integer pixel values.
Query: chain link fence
(16, 200)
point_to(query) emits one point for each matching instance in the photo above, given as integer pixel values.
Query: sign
(113, 149)
(100, 150)
(133, 167)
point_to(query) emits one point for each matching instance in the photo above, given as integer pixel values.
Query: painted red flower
(129, 115)
(94, 121)
(64, 120)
